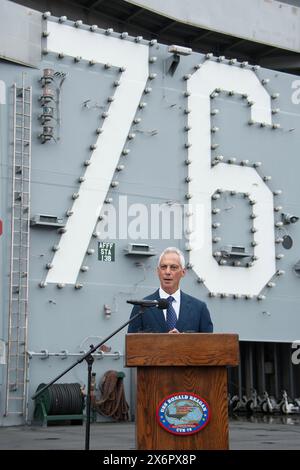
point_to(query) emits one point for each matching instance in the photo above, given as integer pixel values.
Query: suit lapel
(184, 309)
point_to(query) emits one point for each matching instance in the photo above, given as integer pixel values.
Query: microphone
(161, 303)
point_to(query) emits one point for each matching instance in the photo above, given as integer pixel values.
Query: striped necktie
(171, 314)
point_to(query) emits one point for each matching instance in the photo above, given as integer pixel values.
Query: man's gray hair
(173, 249)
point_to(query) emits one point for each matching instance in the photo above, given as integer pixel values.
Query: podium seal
(183, 413)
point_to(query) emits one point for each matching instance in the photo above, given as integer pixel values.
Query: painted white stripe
(2, 92)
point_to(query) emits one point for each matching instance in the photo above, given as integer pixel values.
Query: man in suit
(184, 313)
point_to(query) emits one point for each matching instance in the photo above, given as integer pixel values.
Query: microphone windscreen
(162, 304)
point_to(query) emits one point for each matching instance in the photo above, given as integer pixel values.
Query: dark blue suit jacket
(193, 317)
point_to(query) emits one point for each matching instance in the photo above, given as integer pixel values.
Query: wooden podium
(169, 364)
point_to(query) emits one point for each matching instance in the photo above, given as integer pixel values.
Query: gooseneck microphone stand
(89, 359)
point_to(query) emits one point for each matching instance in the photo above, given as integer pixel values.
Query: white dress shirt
(175, 303)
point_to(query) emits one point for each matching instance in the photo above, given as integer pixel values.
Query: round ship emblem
(183, 413)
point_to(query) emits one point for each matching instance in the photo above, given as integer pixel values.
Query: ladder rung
(21, 219)
(16, 398)
(23, 101)
(22, 153)
(22, 343)
(16, 357)
(23, 234)
(18, 273)
(19, 204)
(14, 339)
(21, 315)
(21, 214)
(17, 390)
(15, 384)
(19, 258)
(14, 369)
(20, 261)
(25, 141)
(18, 340)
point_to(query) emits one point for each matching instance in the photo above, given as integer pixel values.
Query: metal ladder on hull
(17, 361)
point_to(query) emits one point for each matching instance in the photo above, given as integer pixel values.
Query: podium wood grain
(168, 364)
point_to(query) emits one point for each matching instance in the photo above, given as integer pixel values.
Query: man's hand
(174, 331)
(104, 348)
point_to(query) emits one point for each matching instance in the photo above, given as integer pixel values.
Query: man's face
(170, 272)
